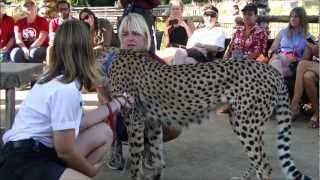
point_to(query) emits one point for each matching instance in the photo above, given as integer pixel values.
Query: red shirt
(6, 30)
(56, 22)
(30, 31)
(255, 42)
(54, 25)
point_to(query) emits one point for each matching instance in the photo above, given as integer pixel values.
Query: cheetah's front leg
(154, 135)
(136, 144)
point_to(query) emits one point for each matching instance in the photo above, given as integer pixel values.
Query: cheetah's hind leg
(154, 137)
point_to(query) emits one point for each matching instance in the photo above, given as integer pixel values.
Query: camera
(173, 21)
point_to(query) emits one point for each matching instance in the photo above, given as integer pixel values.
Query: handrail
(310, 19)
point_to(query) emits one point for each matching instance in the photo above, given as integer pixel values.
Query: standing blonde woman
(177, 30)
(134, 34)
(52, 137)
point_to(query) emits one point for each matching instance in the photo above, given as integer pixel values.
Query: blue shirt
(296, 44)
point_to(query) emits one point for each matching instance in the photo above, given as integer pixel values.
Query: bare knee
(302, 65)
(107, 134)
(309, 77)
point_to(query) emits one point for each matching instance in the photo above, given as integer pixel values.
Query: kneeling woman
(52, 137)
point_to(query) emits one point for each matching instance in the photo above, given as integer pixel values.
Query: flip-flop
(314, 122)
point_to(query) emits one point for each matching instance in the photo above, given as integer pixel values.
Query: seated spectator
(288, 46)
(63, 8)
(102, 31)
(250, 41)
(31, 34)
(177, 30)
(204, 43)
(307, 80)
(6, 34)
(133, 34)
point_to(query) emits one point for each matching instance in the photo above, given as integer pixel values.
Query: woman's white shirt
(48, 107)
(209, 36)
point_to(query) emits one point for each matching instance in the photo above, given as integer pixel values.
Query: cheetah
(182, 94)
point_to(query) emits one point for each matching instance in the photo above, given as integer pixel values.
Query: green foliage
(164, 2)
(73, 2)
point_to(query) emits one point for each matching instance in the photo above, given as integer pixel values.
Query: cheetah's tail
(284, 116)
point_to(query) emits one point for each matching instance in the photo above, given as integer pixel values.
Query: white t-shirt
(208, 36)
(49, 107)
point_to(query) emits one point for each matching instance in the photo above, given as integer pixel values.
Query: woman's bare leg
(299, 85)
(310, 79)
(69, 174)
(94, 142)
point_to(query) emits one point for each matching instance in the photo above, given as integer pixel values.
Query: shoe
(116, 161)
(314, 121)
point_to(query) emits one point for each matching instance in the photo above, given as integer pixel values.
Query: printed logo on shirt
(29, 34)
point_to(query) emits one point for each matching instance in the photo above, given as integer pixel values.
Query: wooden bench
(13, 75)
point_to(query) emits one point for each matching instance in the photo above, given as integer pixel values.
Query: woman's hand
(26, 52)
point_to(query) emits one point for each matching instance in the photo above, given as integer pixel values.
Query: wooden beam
(311, 19)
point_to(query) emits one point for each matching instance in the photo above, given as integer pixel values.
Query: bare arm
(18, 37)
(99, 114)
(275, 45)
(191, 26)
(228, 52)
(9, 45)
(64, 143)
(39, 41)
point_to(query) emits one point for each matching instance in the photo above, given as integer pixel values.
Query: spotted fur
(183, 94)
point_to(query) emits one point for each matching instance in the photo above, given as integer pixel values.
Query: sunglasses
(210, 13)
(63, 9)
(85, 17)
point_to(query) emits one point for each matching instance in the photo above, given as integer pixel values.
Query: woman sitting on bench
(307, 79)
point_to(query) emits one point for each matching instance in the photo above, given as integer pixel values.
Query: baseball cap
(250, 7)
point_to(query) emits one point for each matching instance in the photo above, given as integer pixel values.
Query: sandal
(314, 122)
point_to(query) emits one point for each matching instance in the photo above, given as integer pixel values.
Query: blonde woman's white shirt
(48, 107)
(209, 36)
